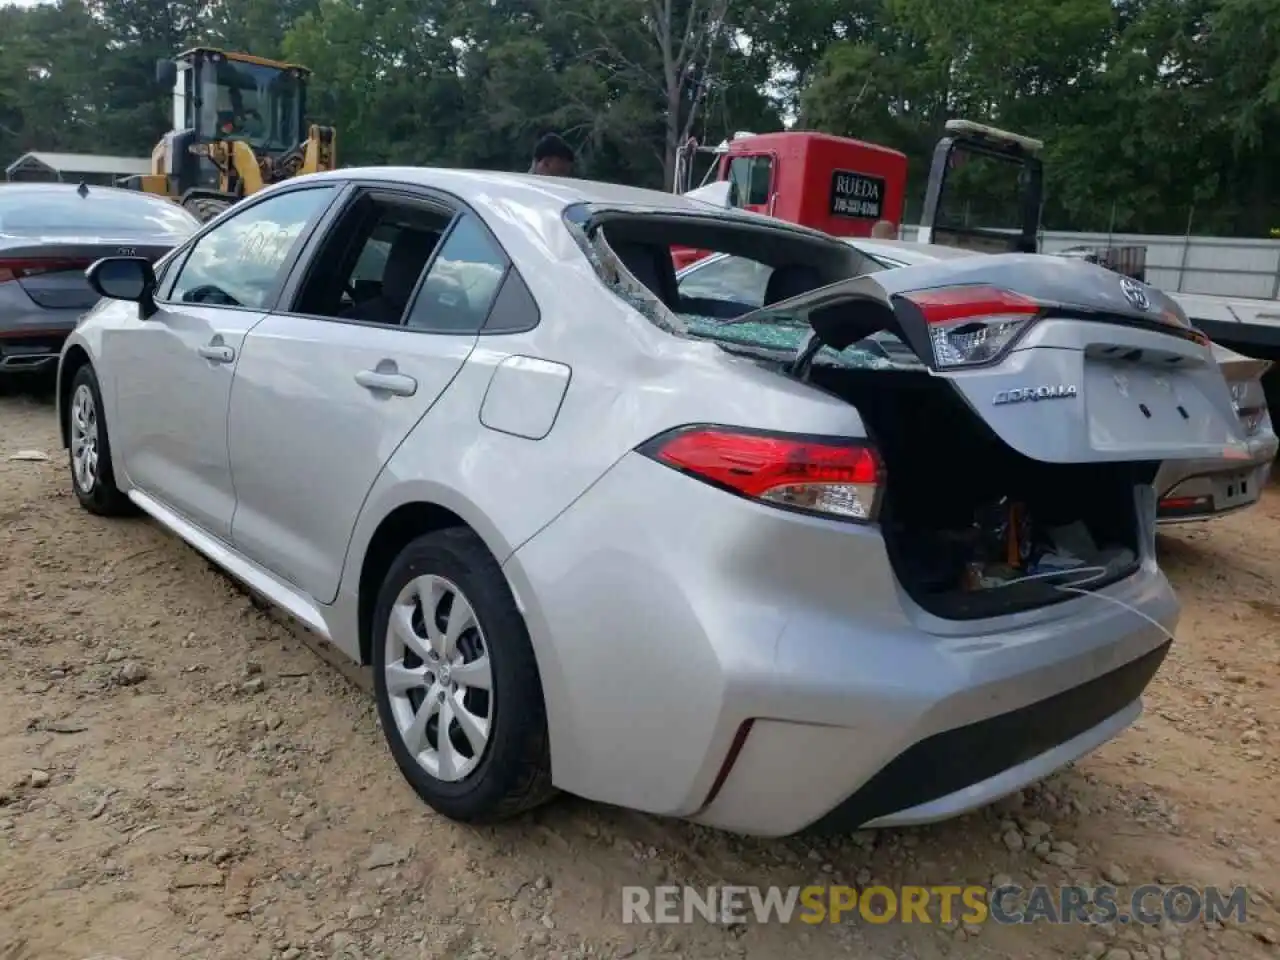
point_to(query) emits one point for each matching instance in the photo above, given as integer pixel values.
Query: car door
(329, 386)
(173, 371)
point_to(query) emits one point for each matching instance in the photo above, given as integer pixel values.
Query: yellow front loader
(238, 125)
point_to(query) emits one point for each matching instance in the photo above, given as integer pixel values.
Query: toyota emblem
(126, 252)
(1135, 293)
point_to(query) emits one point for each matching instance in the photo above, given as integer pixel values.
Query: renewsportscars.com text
(974, 904)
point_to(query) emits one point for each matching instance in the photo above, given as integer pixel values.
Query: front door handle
(383, 382)
(216, 353)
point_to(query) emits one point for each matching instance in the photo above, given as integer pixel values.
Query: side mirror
(125, 278)
(166, 73)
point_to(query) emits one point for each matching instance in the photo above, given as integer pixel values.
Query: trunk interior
(973, 528)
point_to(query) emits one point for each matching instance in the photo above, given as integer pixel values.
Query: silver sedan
(595, 534)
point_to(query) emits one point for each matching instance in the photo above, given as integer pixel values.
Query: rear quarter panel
(629, 381)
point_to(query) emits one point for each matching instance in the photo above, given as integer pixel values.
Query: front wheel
(92, 474)
(456, 682)
(205, 209)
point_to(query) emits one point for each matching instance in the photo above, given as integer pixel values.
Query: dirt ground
(182, 777)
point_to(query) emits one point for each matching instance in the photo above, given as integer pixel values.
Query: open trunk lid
(1065, 361)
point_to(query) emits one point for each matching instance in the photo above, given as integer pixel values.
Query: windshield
(114, 213)
(983, 192)
(247, 101)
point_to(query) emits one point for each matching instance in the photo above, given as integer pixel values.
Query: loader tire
(205, 209)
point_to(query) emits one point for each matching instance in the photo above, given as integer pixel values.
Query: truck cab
(834, 184)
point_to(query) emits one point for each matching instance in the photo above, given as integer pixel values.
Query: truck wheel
(205, 209)
(456, 683)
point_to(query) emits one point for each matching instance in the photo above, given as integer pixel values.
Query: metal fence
(1219, 266)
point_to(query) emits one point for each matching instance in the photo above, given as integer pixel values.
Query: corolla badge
(1135, 293)
(1061, 391)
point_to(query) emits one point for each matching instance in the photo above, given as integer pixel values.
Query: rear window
(119, 214)
(752, 264)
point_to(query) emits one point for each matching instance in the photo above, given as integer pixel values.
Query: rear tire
(450, 648)
(92, 474)
(204, 209)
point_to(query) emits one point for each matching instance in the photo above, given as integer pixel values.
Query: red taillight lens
(19, 269)
(836, 478)
(972, 324)
(1184, 504)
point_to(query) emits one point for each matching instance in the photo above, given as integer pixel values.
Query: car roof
(553, 194)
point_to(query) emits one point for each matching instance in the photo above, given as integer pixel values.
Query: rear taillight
(1184, 504)
(27, 267)
(840, 479)
(971, 325)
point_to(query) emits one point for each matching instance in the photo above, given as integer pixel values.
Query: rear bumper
(707, 657)
(1212, 488)
(33, 342)
(968, 766)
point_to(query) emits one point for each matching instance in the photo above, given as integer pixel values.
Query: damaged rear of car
(903, 610)
(1058, 396)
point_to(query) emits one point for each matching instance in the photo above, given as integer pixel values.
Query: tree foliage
(1151, 110)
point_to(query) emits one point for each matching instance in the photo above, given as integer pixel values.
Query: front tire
(205, 209)
(92, 475)
(456, 682)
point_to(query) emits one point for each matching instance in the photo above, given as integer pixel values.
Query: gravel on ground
(182, 776)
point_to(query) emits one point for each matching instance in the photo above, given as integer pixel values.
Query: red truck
(834, 184)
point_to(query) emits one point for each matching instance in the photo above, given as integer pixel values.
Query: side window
(372, 259)
(515, 310)
(739, 180)
(761, 177)
(165, 273)
(240, 262)
(750, 179)
(732, 279)
(462, 282)
(372, 262)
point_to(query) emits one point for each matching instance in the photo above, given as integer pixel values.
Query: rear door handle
(216, 353)
(394, 383)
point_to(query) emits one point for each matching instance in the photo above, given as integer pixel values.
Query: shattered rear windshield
(787, 335)
(633, 256)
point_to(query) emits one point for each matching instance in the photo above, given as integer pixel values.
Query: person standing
(552, 157)
(884, 230)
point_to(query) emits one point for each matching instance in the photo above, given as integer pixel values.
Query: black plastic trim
(955, 759)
